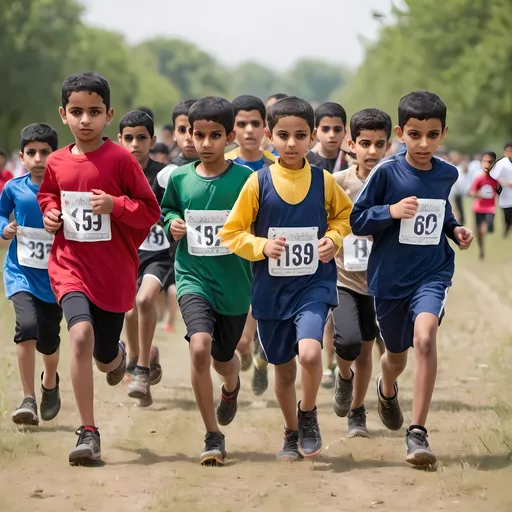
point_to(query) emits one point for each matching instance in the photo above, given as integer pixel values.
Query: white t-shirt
(503, 171)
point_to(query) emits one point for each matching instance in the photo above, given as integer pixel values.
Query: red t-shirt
(5, 176)
(485, 187)
(105, 271)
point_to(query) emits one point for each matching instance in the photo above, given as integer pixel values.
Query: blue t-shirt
(395, 268)
(255, 166)
(19, 196)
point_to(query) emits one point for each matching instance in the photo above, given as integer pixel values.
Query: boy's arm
(6, 207)
(48, 196)
(338, 206)
(138, 209)
(369, 215)
(236, 233)
(475, 187)
(171, 207)
(450, 223)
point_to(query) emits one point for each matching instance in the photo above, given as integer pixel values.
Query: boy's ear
(153, 141)
(110, 115)
(120, 138)
(399, 134)
(351, 144)
(388, 146)
(313, 135)
(268, 133)
(21, 155)
(62, 114)
(443, 135)
(231, 138)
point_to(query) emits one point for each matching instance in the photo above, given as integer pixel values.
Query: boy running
(484, 190)
(137, 135)
(355, 327)
(26, 280)
(300, 217)
(404, 206)
(502, 173)
(98, 203)
(214, 286)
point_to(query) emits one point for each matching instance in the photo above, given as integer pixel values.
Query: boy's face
(487, 163)
(3, 161)
(291, 137)
(370, 147)
(330, 133)
(422, 138)
(86, 115)
(34, 157)
(167, 137)
(183, 138)
(137, 141)
(249, 129)
(508, 152)
(210, 140)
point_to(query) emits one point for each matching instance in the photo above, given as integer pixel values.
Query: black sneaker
(290, 451)
(26, 413)
(50, 401)
(214, 449)
(342, 400)
(228, 405)
(260, 381)
(88, 448)
(418, 449)
(154, 366)
(114, 377)
(310, 439)
(357, 423)
(389, 409)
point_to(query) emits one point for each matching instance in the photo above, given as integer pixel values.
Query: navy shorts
(279, 338)
(396, 317)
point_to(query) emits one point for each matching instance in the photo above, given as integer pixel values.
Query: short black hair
(246, 102)
(148, 111)
(277, 96)
(213, 108)
(137, 118)
(370, 119)
(330, 109)
(39, 132)
(492, 154)
(181, 109)
(160, 147)
(88, 81)
(508, 145)
(421, 105)
(291, 106)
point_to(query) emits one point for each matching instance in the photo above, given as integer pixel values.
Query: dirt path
(151, 455)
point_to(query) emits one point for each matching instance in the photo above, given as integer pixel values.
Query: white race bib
(156, 240)
(80, 224)
(300, 257)
(356, 251)
(487, 192)
(426, 227)
(33, 247)
(203, 227)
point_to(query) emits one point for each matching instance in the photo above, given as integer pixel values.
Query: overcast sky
(273, 32)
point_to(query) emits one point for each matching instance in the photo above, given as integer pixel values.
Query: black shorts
(354, 321)
(107, 325)
(485, 218)
(37, 320)
(507, 215)
(160, 267)
(226, 331)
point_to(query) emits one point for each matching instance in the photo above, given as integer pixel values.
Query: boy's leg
(245, 345)
(481, 230)
(131, 331)
(173, 308)
(26, 352)
(328, 377)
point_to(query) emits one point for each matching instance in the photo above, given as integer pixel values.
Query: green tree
(253, 78)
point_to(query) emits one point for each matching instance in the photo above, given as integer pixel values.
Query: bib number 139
(300, 256)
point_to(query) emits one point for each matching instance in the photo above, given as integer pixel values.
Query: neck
(328, 154)
(250, 155)
(362, 173)
(36, 180)
(144, 162)
(421, 167)
(81, 147)
(211, 169)
(291, 167)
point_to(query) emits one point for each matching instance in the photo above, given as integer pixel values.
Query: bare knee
(285, 375)
(200, 352)
(310, 356)
(396, 362)
(145, 303)
(424, 345)
(82, 340)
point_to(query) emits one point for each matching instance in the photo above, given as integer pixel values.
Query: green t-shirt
(203, 267)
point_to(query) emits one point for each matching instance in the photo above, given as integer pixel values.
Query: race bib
(156, 240)
(203, 227)
(487, 192)
(80, 224)
(300, 257)
(426, 227)
(356, 251)
(33, 247)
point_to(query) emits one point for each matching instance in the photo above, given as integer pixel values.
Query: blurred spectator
(160, 153)
(5, 175)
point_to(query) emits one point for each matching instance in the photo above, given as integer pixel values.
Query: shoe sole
(215, 458)
(25, 417)
(225, 423)
(341, 413)
(154, 380)
(83, 457)
(358, 433)
(310, 455)
(421, 458)
(137, 393)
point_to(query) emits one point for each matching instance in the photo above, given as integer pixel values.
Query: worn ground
(151, 455)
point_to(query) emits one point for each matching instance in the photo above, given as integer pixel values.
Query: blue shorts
(280, 338)
(396, 317)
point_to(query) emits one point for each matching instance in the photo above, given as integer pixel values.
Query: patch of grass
(15, 443)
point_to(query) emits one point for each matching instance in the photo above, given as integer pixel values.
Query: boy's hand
(464, 236)
(178, 229)
(405, 209)
(101, 202)
(326, 250)
(274, 248)
(10, 230)
(52, 221)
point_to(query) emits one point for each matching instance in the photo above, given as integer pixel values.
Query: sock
(385, 397)
(351, 378)
(417, 427)
(91, 428)
(229, 394)
(142, 369)
(131, 365)
(361, 408)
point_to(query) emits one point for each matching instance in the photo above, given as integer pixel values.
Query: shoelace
(310, 426)
(419, 437)
(84, 435)
(358, 415)
(213, 442)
